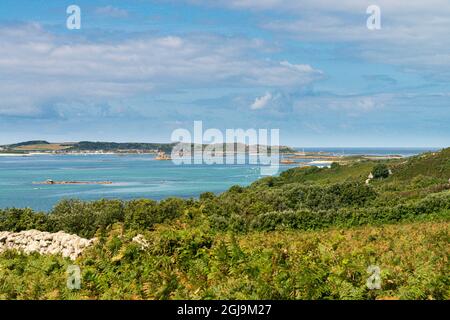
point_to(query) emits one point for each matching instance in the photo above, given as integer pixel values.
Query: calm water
(133, 176)
(406, 152)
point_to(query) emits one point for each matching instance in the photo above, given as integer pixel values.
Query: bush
(236, 189)
(85, 218)
(170, 208)
(205, 196)
(335, 165)
(380, 171)
(17, 220)
(140, 214)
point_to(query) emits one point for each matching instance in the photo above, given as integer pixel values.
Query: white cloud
(261, 102)
(48, 70)
(300, 67)
(352, 105)
(347, 6)
(111, 11)
(414, 33)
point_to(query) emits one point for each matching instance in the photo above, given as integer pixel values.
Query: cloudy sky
(137, 70)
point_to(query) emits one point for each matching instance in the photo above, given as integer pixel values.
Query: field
(42, 147)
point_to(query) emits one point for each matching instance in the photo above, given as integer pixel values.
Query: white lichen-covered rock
(59, 243)
(141, 241)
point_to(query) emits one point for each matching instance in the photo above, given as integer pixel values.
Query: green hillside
(433, 164)
(28, 143)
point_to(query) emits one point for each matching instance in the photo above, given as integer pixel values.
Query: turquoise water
(133, 176)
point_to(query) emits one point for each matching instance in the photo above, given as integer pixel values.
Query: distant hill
(28, 143)
(33, 146)
(86, 146)
(116, 146)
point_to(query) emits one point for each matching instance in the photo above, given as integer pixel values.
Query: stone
(67, 245)
(43, 243)
(140, 239)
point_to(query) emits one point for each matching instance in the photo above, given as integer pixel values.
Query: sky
(137, 70)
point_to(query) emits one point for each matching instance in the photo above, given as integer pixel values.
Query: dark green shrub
(16, 220)
(85, 218)
(236, 189)
(170, 208)
(140, 214)
(335, 165)
(380, 171)
(205, 196)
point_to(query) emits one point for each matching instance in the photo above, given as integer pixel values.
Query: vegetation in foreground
(197, 264)
(308, 234)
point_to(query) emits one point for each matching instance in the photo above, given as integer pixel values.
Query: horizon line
(286, 145)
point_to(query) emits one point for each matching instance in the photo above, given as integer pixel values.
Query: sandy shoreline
(320, 162)
(14, 154)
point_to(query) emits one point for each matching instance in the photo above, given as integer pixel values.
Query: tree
(335, 165)
(380, 171)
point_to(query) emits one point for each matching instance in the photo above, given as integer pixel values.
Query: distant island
(42, 146)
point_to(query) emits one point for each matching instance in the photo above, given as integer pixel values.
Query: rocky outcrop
(59, 243)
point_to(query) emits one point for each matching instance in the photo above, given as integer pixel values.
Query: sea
(133, 176)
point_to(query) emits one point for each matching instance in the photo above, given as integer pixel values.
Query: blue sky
(137, 70)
